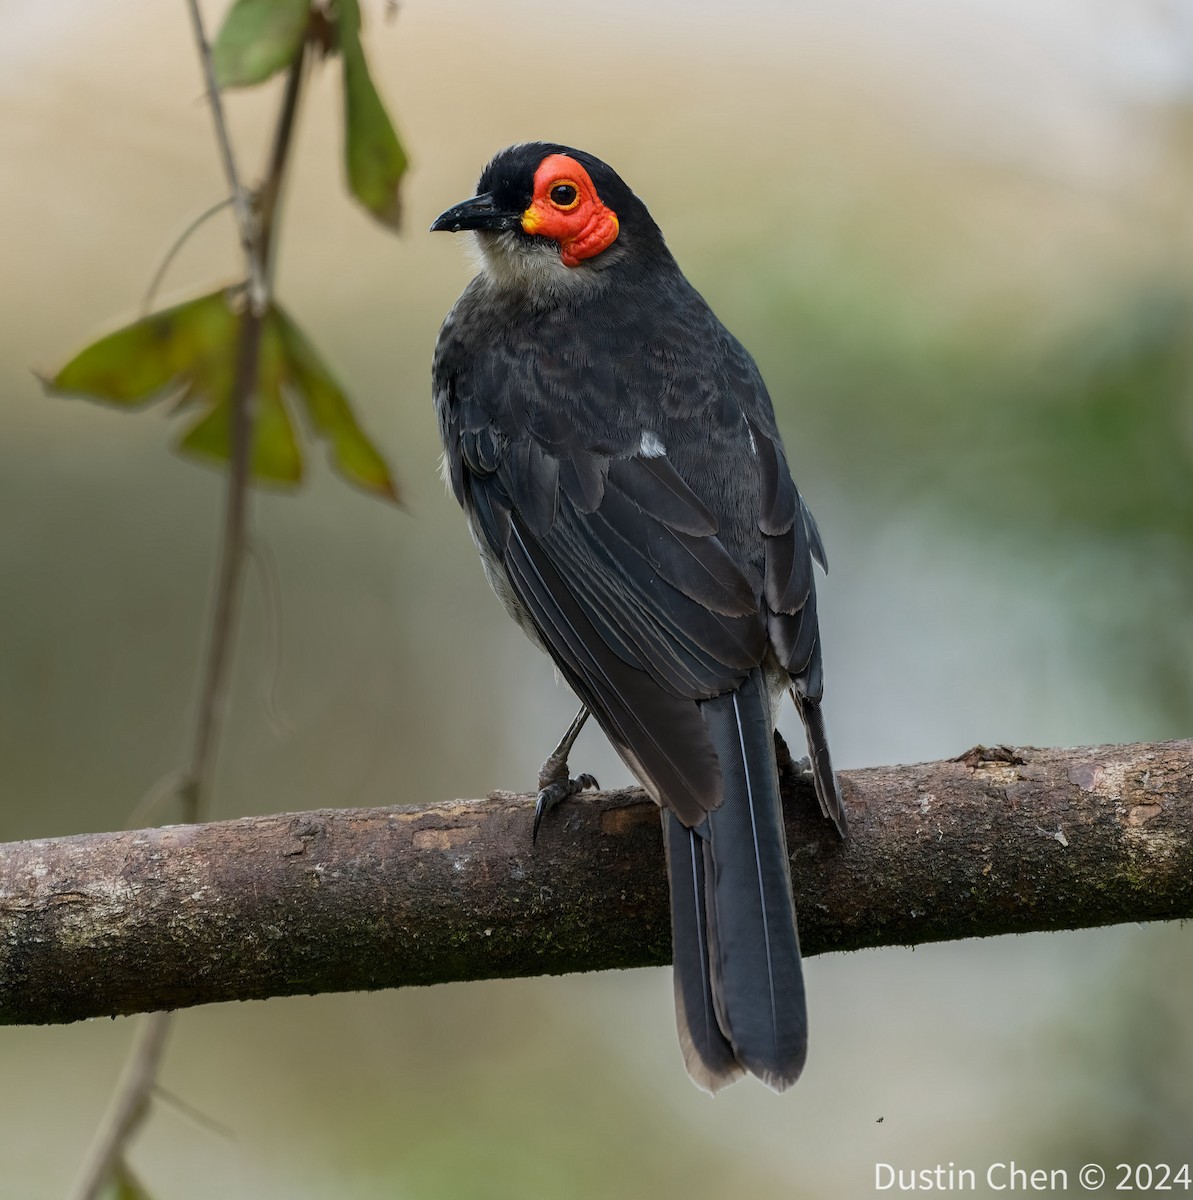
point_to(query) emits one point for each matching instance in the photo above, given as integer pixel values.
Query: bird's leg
(555, 784)
(789, 768)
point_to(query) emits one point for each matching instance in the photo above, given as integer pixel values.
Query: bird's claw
(554, 790)
(786, 762)
(792, 771)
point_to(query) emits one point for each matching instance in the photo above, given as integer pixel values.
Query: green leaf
(257, 39)
(191, 351)
(330, 413)
(374, 156)
(126, 1186)
(140, 362)
(276, 455)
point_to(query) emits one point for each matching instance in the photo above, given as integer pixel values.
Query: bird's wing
(618, 564)
(790, 538)
(791, 542)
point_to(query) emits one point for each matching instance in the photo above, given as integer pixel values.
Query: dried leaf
(257, 39)
(374, 156)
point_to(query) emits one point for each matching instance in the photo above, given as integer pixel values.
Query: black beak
(478, 213)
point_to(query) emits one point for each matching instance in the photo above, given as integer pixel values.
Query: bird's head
(548, 216)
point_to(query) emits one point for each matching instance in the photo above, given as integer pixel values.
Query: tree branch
(339, 900)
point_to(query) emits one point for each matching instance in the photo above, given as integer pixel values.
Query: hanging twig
(258, 295)
(232, 546)
(130, 1102)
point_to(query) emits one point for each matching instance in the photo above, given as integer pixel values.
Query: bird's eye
(564, 195)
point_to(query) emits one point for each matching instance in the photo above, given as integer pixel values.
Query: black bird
(616, 454)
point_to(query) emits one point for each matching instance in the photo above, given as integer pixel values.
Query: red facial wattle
(567, 209)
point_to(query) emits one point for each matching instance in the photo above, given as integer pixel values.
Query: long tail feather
(745, 960)
(707, 1054)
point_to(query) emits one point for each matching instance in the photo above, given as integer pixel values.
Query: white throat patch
(513, 264)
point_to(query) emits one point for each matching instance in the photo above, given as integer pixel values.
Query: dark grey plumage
(617, 456)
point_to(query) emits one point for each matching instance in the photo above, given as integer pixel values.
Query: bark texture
(1000, 840)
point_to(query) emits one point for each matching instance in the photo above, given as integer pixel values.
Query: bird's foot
(555, 786)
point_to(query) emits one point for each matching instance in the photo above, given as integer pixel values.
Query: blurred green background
(957, 237)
